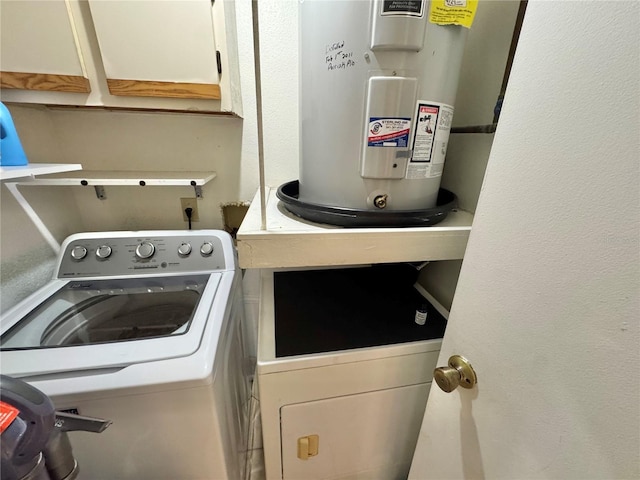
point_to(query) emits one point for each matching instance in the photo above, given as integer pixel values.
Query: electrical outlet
(190, 203)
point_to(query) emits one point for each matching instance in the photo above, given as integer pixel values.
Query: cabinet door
(39, 48)
(365, 436)
(157, 49)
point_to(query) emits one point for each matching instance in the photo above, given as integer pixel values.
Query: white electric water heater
(377, 88)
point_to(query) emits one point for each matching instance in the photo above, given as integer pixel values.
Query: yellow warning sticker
(453, 12)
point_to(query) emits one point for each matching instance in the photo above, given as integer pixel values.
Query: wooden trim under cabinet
(45, 82)
(139, 88)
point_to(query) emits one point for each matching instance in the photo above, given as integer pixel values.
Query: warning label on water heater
(430, 139)
(403, 7)
(453, 12)
(388, 132)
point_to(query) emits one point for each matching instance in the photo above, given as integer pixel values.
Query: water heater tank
(377, 88)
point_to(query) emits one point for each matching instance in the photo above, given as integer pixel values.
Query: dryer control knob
(206, 249)
(78, 252)
(103, 251)
(184, 249)
(145, 250)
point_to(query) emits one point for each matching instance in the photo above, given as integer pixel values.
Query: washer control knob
(103, 252)
(78, 252)
(184, 249)
(145, 250)
(206, 249)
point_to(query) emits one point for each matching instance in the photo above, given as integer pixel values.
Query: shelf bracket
(31, 213)
(100, 192)
(197, 189)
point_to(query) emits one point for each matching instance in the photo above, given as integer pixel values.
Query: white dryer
(143, 329)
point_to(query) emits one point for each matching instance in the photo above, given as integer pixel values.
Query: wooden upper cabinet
(157, 48)
(39, 48)
(179, 55)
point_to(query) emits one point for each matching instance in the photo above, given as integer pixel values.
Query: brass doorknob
(459, 372)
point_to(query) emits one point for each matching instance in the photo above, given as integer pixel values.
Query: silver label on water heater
(387, 124)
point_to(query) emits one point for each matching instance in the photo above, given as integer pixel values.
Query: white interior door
(547, 306)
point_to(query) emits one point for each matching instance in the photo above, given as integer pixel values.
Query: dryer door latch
(308, 446)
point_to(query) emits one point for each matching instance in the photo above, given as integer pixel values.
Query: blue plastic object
(11, 152)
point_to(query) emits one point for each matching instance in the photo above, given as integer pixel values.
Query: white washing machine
(143, 329)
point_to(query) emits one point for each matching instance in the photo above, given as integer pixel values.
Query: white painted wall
(249, 173)
(26, 258)
(547, 306)
(279, 68)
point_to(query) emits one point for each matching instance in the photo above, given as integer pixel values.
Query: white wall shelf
(100, 179)
(290, 241)
(33, 169)
(89, 177)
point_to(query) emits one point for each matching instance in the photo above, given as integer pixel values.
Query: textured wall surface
(547, 306)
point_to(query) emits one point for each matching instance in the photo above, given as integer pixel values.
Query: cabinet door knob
(458, 373)
(308, 446)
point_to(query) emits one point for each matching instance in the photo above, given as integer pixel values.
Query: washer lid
(112, 322)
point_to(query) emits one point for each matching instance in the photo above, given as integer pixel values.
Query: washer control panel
(136, 255)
